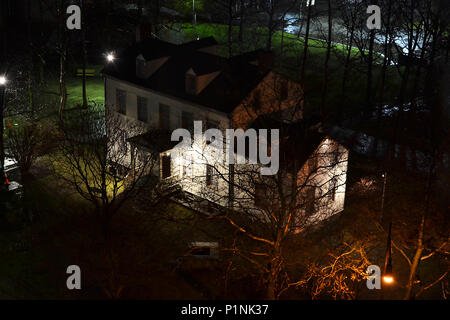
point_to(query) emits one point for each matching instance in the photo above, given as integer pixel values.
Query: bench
(88, 72)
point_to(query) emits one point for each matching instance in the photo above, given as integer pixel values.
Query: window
(310, 201)
(188, 166)
(205, 249)
(142, 109)
(333, 186)
(336, 156)
(211, 179)
(211, 124)
(123, 143)
(164, 116)
(201, 251)
(187, 120)
(166, 166)
(140, 68)
(121, 101)
(260, 194)
(313, 163)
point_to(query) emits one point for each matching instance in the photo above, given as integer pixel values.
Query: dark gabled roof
(152, 48)
(250, 56)
(199, 44)
(237, 77)
(298, 140)
(155, 140)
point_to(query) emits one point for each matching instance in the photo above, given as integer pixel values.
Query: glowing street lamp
(110, 57)
(388, 276)
(3, 80)
(388, 279)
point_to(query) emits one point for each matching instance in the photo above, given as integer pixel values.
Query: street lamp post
(195, 19)
(388, 277)
(2, 149)
(384, 176)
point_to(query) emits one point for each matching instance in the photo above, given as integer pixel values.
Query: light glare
(2, 80)
(110, 57)
(388, 279)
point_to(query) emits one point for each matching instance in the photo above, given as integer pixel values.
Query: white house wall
(176, 106)
(329, 167)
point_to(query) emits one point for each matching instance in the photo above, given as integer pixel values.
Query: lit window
(333, 187)
(211, 178)
(123, 143)
(188, 167)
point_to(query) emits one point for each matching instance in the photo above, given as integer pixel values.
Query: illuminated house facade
(161, 87)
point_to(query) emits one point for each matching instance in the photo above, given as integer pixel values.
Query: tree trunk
(327, 59)
(230, 28)
(85, 104)
(62, 47)
(270, 26)
(386, 62)
(62, 82)
(2, 148)
(241, 21)
(415, 262)
(305, 49)
(369, 102)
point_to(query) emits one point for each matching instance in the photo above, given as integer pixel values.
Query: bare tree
(268, 212)
(29, 141)
(98, 162)
(62, 50)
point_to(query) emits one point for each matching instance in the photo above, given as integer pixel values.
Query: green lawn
(256, 37)
(95, 90)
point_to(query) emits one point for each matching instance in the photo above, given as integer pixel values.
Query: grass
(257, 38)
(90, 174)
(95, 90)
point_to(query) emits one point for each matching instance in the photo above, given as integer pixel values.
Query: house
(160, 87)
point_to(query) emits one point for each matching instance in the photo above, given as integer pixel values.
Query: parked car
(15, 187)
(10, 164)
